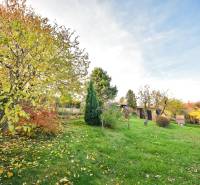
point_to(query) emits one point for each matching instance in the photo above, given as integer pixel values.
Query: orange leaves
(45, 119)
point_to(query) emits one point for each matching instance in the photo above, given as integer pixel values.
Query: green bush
(110, 116)
(162, 121)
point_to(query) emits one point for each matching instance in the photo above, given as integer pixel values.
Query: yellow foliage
(9, 174)
(1, 170)
(195, 114)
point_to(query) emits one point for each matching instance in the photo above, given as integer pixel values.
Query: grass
(90, 155)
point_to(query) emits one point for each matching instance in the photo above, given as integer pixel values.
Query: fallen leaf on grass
(9, 174)
(1, 170)
(64, 181)
(157, 176)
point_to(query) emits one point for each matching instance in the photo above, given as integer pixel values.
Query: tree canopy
(102, 84)
(175, 106)
(131, 99)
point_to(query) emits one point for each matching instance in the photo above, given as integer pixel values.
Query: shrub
(26, 129)
(47, 121)
(162, 121)
(195, 116)
(110, 116)
(42, 120)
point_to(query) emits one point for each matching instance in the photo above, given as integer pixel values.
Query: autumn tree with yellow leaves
(37, 59)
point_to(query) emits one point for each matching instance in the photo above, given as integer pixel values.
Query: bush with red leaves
(43, 119)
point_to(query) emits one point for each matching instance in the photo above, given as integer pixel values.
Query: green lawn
(91, 155)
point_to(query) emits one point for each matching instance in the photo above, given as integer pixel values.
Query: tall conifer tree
(92, 109)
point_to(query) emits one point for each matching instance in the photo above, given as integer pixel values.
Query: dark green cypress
(92, 108)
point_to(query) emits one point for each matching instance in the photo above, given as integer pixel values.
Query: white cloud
(109, 45)
(115, 48)
(184, 89)
(157, 37)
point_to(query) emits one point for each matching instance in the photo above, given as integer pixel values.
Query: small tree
(160, 100)
(145, 98)
(131, 99)
(92, 109)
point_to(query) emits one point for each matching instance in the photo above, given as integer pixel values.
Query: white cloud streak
(109, 45)
(113, 47)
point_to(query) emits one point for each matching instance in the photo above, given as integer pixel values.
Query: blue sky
(172, 28)
(138, 42)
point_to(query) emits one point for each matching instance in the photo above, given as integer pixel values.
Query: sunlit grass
(92, 155)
